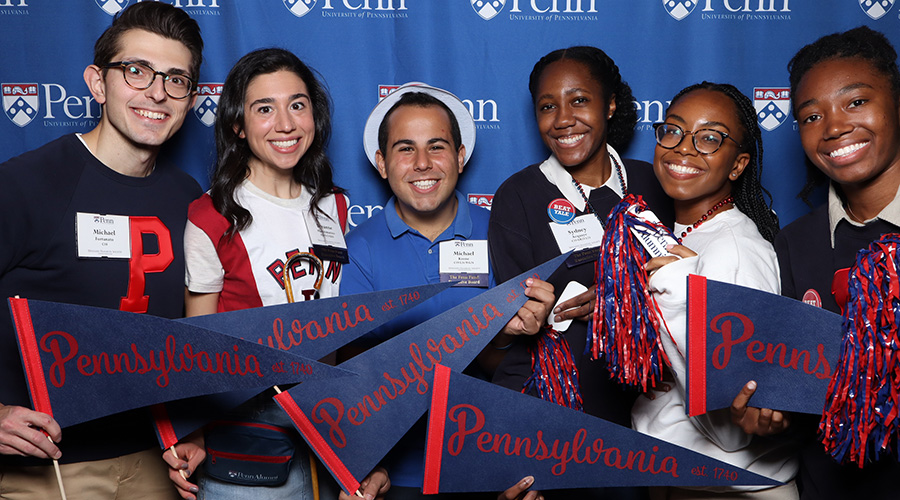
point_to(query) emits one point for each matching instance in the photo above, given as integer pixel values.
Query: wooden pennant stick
(62, 490)
(181, 471)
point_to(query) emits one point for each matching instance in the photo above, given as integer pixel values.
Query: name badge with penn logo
(582, 235)
(466, 262)
(561, 211)
(102, 236)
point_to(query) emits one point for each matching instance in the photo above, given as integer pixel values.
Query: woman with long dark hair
(272, 197)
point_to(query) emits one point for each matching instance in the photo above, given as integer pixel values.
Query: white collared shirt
(557, 175)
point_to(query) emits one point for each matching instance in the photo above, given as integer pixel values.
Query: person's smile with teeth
(848, 149)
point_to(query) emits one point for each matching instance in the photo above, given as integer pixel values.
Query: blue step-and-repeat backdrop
(482, 50)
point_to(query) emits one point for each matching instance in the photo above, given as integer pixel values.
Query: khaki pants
(141, 475)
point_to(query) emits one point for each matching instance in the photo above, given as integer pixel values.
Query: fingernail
(670, 246)
(527, 481)
(751, 385)
(369, 496)
(57, 455)
(195, 489)
(183, 465)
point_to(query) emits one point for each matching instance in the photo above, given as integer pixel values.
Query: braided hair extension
(620, 128)
(748, 191)
(859, 43)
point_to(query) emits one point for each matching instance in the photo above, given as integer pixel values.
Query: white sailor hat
(460, 111)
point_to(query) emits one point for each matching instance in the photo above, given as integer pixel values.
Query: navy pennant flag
(738, 334)
(120, 360)
(313, 329)
(482, 437)
(316, 328)
(352, 424)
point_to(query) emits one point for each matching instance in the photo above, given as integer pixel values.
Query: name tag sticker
(465, 261)
(583, 232)
(327, 239)
(101, 236)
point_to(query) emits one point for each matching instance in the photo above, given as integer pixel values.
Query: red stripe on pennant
(318, 443)
(437, 417)
(164, 429)
(31, 356)
(696, 345)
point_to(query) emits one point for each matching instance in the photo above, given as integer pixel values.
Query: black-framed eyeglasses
(139, 76)
(706, 141)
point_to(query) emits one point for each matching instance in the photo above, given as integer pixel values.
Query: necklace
(590, 208)
(709, 213)
(853, 215)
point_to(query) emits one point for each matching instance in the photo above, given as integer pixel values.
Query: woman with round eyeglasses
(726, 230)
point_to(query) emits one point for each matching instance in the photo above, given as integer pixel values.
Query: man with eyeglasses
(54, 202)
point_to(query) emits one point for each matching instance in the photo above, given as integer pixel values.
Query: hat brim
(456, 106)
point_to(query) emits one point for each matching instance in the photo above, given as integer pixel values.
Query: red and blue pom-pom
(625, 326)
(860, 422)
(554, 376)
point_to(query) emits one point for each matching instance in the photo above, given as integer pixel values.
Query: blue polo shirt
(386, 253)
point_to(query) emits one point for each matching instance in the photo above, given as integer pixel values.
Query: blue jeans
(299, 483)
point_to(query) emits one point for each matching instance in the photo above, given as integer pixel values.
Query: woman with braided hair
(726, 229)
(584, 112)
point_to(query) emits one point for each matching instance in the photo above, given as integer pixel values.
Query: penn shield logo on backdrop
(735, 10)
(679, 9)
(20, 102)
(299, 8)
(488, 9)
(112, 7)
(481, 200)
(207, 102)
(773, 105)
(876, 8)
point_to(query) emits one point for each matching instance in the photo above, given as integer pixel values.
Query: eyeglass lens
(141, 76)
(706, 141)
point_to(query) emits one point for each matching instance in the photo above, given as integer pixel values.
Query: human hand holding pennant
(83, 362)
(737, 334)
(351, 425)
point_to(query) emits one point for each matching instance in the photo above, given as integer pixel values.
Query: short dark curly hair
(859, 43)
(606, 73)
